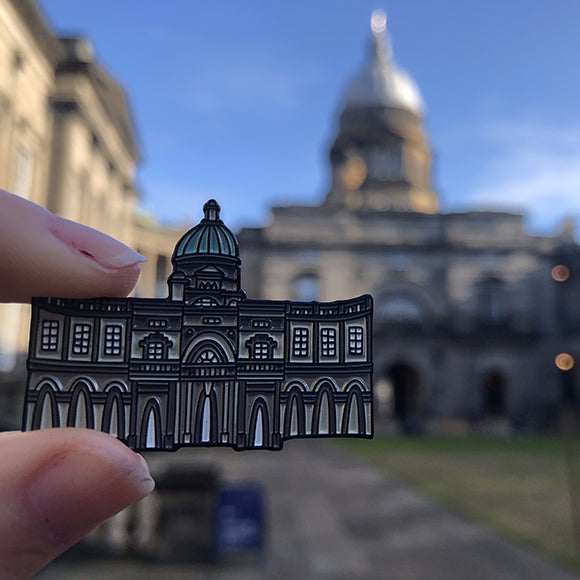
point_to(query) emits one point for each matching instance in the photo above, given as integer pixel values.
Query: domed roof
(210, 236)
(382, 83)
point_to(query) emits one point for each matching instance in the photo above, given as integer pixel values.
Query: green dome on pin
(210, 236)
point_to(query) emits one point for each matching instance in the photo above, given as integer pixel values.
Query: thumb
(57, 485)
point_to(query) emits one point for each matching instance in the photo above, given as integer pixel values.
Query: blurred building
(67, 142)
(468, 320)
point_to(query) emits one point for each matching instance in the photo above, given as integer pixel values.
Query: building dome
(210, 236)
(382, 83)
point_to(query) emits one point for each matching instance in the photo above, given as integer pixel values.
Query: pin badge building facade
(206, 366)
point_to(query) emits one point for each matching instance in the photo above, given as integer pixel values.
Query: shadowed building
(69, 146)
(468, 319)
(464, 302)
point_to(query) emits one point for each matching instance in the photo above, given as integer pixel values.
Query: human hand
(56, 485)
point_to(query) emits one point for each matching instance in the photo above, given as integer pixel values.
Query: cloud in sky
(532, 168)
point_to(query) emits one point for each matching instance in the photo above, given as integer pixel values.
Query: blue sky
(240, 100)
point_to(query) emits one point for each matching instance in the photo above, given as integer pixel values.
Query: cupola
(210, 236)
(206, 263)
(381, 83)
(380, 158)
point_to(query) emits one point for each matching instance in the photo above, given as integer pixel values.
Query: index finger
(42, 254)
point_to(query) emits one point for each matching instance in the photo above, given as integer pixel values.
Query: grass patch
(517, 488)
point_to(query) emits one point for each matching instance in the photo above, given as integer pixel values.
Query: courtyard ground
(332, 516)
(518, 488)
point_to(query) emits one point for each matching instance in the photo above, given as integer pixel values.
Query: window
(155, 346)
(10, 316)
(208, 285)
(84, 196)
(399, 261)
(328, 342)
(49, 335)
(154, 351)
(161, 273)
(400, 309)
(300, 342)
(17, 61)
(81, 338)
(491, 300)
(261, 350)
(306, 288)
(208, 357)
(113, 339)
(355, 340)
(205, 302)
(384, 163)
(24, 167)
(261, 346)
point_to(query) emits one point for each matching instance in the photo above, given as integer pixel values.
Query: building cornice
(40, 32)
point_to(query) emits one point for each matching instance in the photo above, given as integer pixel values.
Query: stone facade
(67, 143)
(468, 321)
(465, 325)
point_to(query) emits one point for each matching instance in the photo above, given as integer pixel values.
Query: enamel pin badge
(205, 366)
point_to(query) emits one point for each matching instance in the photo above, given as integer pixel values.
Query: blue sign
(239, 519)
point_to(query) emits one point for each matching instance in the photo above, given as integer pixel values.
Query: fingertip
(78, 489)
(46, 255)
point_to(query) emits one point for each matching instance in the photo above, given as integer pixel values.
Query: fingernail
(92, 244)
(78, 490)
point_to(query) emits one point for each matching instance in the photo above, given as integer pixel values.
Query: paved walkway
(332, 518)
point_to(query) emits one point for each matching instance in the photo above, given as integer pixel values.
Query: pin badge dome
(205, 366)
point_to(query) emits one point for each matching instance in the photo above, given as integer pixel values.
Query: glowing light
(378, 21)
(560, 273)
(564, 361)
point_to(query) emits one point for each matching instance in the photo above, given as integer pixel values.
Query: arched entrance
(324, 414)
(259, 431)
(80, 412)
(353, 419)
(113, 421)
(407, 389)
(150, 433)
(294, 419)
(46, 413)
(205, 413)
(494, 395)
(206, 416)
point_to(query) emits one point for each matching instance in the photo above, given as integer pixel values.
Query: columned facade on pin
(206, 366)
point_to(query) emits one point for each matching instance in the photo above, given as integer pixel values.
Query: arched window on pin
(208, 356)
